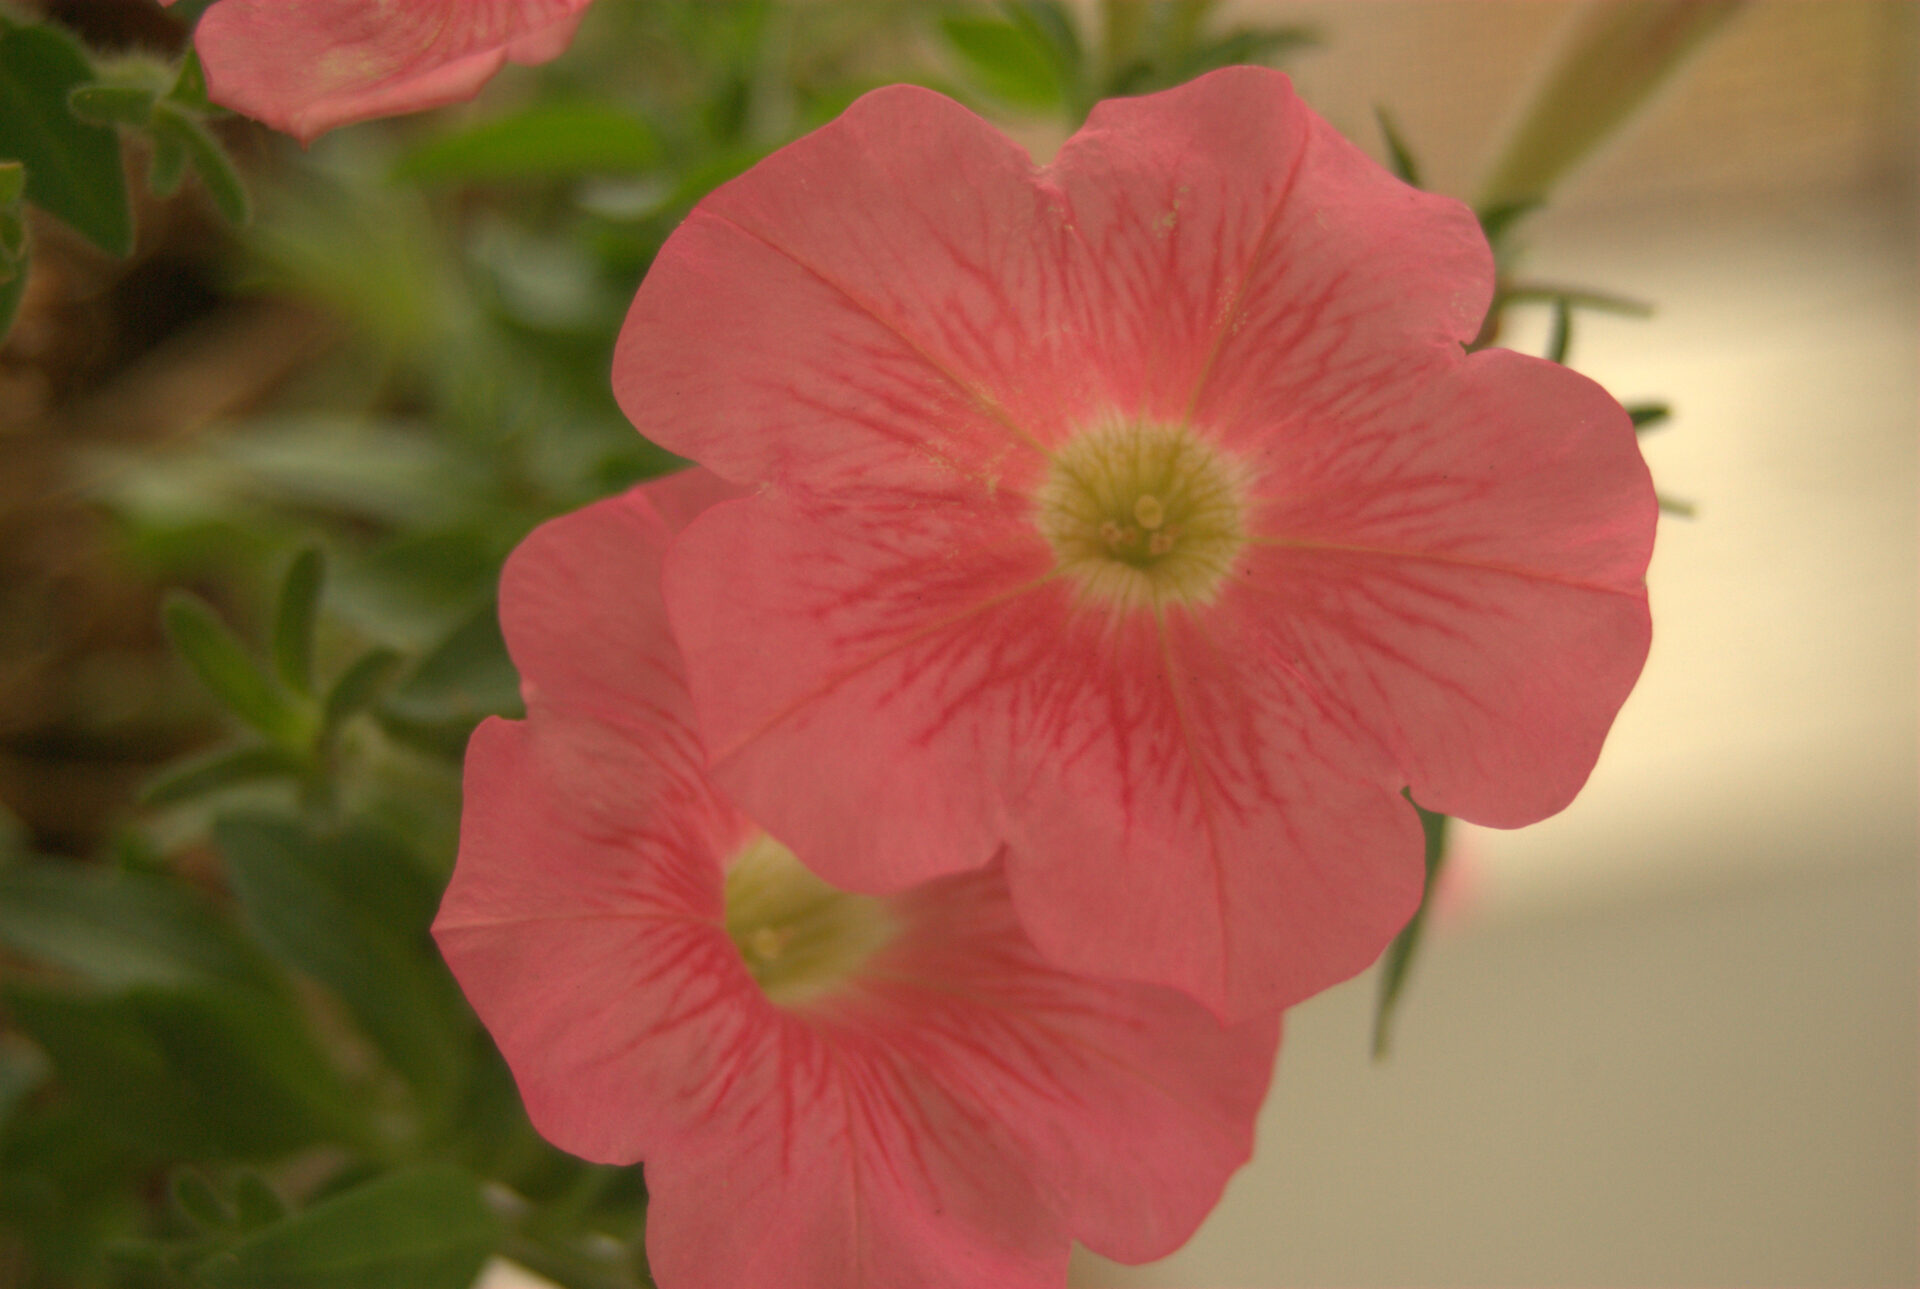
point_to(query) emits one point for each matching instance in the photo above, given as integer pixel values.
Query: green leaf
(1398, 962)
(191, 1074)
(1561, 336)
(359, 685)
(73, 168)
(123, 930)
(466, 677)
(13, 182)
(1647, 416)
(1244, 45)
(167, 169)
(13, 288)
(104, 104)
(225, 667)
(550, 140)
(210, 161)
(217, 771)
(426, 1228)
(293, 620)
(195, 1196)
(256, 1203)
(190, 86)
(1404, 167)
(1497, 220)
(348, 911)
(1010, 62)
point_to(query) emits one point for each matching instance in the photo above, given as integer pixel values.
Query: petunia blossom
(829, 1091)
(308, 66)
(1140, 517)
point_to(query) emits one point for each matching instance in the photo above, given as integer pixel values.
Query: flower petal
(1131, 1102)
(1219, 828)
(835, 668)
(307, 68)
(595, 955)
(1461, 574)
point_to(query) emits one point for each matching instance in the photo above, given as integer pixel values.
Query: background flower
(1140, 513)
(308, 66)
(950, 1111)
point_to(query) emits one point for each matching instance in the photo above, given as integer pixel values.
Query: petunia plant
(1140, 515)
(864, 828)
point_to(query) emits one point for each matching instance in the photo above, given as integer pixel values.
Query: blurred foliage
(229, 1052)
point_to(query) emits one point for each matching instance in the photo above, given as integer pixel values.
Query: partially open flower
(307, 66)
(829, 1091)
(1139, 516)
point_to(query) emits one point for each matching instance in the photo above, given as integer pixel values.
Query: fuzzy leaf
(73, 168)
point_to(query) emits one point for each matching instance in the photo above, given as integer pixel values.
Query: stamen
(1144, 514)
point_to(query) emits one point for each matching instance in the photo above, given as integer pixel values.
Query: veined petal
(1461, 573)
(1218, 826)
(837, 672)
(594, 954)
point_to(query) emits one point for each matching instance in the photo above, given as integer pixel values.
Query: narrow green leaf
(256, 1203)
(463, 679)
(1647, 416)
(196, 1198)
(1562, 334)
(1398, 962)
(121, 930)
(1244, 45)
(358, 686)
(190, 86)
(341, 910)
(210, 161)
(1575, 297)
(1010, 62)
(1675, 506)
(13, 240)
(167, 168)
(226, 669)
(548, 140)
(294, 617)
(1399, 156)
(73, 168)
(1497, 221)
(427, 1228)
(13, 289)
(191, 1074)
(228, 768)
(101, 104)
(13, 182)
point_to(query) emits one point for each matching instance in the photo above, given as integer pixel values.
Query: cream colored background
(1668, 1037)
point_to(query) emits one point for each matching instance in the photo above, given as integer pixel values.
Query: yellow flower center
(798, 936)
(1144, 515)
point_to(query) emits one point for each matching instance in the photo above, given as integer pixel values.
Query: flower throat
(798, 936)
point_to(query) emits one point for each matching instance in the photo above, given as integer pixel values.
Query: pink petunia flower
(1140, 515)
(308, 66)
(830, 1091)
